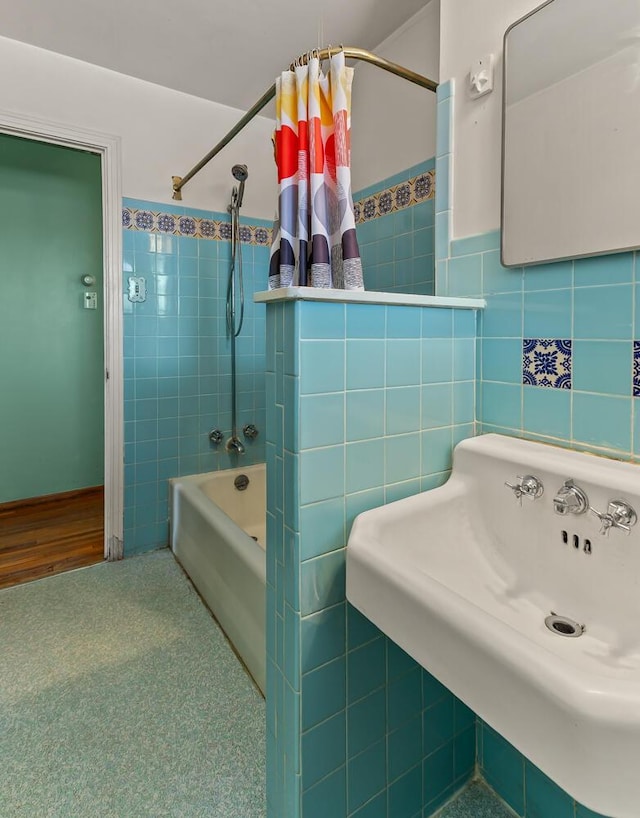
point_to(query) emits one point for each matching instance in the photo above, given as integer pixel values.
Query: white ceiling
(228, 52)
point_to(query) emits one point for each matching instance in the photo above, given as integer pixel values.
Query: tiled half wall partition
(364, 405)
(177, 354)
(395, 227)
(558, 361)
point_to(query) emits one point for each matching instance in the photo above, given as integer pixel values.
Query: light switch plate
(481, 77)
(90, 301)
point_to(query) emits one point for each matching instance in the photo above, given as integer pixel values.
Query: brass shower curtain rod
(355, 53)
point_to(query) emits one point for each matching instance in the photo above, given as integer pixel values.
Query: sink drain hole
(563, 626)
(241, 482)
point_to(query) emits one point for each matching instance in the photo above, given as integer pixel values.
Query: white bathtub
(212, 530)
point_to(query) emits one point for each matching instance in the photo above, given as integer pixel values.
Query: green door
(51, 345)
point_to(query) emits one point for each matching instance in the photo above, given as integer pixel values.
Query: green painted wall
(51, 348)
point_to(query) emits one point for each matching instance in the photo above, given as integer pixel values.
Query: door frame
(108, 147)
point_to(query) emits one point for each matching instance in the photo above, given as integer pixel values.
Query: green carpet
(119, 698)
(477, 801)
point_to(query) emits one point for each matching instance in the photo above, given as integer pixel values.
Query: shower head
(240, 172)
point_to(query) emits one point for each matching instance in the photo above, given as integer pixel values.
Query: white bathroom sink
(462, 577)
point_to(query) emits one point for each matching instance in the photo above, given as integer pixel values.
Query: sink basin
(463, 577)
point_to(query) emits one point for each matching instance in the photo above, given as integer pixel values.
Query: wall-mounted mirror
(571, 131)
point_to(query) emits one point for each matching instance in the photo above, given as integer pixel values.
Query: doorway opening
(51, 334)
(61, 424)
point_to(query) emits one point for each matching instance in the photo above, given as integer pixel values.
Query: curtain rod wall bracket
(178, 182)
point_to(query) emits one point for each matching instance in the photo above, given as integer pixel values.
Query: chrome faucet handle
(516, 488)
(606, 521)
(618, 515)
(215, 436)
(527, 486)
(250, 431)
(570, 499)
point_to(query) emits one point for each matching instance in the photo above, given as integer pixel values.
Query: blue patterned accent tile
(191, 227)
(546, 362)
(636, 369)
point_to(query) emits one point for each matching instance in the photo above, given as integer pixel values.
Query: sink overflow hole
(563, 626)
(575, 539)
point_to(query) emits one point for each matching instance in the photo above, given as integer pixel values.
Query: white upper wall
(164, 132)
(224, 52)
(393, 122)
(469, 31)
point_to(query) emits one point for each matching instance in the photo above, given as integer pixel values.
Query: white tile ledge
(360, 297)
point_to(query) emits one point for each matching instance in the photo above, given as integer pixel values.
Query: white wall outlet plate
(137, 289)
(481, 77)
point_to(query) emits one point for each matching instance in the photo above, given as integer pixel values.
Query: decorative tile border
(546, 362)
(636, 369)
(397, 197)
(151, 221)
(417, 189)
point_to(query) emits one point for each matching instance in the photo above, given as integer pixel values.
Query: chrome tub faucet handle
(215, 436)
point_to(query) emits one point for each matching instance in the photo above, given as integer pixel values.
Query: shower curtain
(314, 236)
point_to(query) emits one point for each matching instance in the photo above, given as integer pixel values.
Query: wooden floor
(42, 536)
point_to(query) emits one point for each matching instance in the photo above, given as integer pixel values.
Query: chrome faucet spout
(570, 499)
(234, 445)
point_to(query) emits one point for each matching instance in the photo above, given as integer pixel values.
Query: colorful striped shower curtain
(315, 242)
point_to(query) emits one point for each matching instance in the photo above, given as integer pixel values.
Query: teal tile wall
(397, 247)
(177, 366)
(598, 413)
(591, 302)
(353, 722)
(525, 788)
